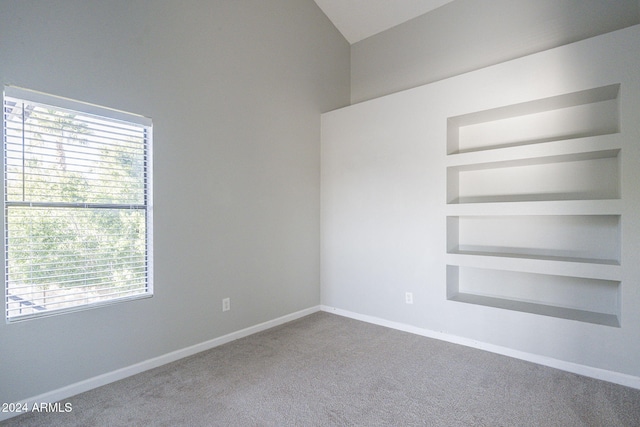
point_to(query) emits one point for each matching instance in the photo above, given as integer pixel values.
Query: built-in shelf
(540, 309)
(580, 176)
(544, 207)
(569, 267)
(576, 298)
(576, 238)
(534, 207)
(577, 146)
(574, 115)
(509, 253)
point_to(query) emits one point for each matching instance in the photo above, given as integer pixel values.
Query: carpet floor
(328, 370)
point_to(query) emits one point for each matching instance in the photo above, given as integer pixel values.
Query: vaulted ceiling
(359, 19)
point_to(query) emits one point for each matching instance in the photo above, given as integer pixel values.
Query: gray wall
(398, 197)
(466, 35)
(235, 90)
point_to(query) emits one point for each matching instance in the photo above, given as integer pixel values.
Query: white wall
(392, 175)
(466, 35)
(235, 90)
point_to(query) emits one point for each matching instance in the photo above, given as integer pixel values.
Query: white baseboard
(587, 371)
(109, 377)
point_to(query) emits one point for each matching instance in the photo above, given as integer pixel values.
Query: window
(77, 205)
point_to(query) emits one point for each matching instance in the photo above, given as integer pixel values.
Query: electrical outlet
(226, 304)
(408, 298)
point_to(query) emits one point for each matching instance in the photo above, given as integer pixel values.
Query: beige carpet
(327, 370)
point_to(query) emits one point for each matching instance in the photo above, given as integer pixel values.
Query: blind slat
(39, 296)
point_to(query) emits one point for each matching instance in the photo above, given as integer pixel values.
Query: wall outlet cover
(408, 298)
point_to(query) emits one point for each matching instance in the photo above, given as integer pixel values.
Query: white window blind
(77, 205)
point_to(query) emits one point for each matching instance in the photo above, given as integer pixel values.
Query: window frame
(108, 114)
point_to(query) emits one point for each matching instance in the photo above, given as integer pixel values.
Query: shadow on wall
(466, 35)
